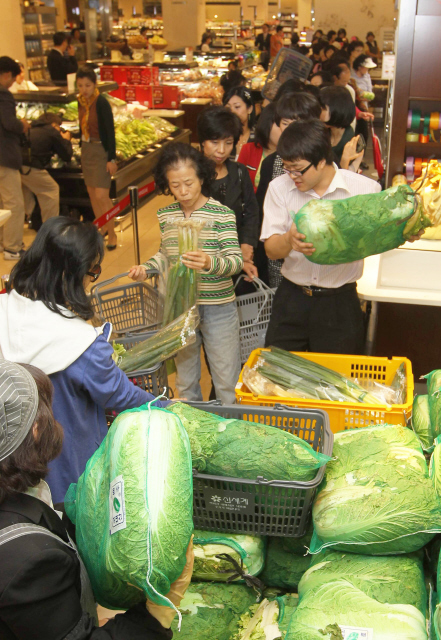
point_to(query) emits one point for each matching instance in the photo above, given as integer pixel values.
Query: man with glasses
(316, 307)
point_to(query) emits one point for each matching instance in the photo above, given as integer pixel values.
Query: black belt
(324, 291)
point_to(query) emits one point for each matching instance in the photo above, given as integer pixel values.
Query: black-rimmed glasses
(298, 174)
(95, 272)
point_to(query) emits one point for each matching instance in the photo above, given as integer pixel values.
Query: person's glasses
(297, 174)
(95, 272)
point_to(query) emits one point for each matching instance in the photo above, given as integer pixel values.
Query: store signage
(229, 501)
(388, 68)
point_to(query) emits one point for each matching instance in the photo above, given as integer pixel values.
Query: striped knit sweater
(218, 239)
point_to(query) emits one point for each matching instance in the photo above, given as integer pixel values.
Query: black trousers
(319, 323)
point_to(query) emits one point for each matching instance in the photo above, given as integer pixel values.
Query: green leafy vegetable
(242, 548)
(118, 351)
(133, 508)
(435, 466)
(434, 393)
(212, 611)
(326, 610)
(283, 569)
(343, 231)
(388, 579)
(241, 449)
(421, 421)
(377, 497)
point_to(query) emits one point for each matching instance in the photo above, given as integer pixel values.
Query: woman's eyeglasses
(95, 272)
(297, 174)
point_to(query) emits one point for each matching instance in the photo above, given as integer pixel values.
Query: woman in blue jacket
(43, 322)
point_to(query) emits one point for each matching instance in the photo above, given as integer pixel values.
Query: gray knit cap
(18, 406)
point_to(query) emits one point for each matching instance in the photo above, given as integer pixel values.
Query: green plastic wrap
(435, 466)
(343, 231)
(240, 449)
(268, 620)
(182, 291)
(377, 496)
(283, 569)
(211, 611)
(133, 508)
(301, 545)
(387, 579)
(249, 550)
(421, 422)
(326, 611)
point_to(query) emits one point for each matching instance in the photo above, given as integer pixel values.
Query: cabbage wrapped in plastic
(283, 569)
(421, 421)
(348, 230)
(268, 620)
(248, 551)
(435, 466)
(377, 497)
(434, 392)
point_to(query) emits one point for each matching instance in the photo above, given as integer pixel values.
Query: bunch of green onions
(181, 292)
(162, 345)
(309, 379)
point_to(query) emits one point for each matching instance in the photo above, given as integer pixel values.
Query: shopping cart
(254, 313)
(130, 307)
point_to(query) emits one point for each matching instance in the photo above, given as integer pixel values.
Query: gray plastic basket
(134, 306)
(261, 507)
(254, 314)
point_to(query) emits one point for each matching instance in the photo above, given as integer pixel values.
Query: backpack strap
(26, 528)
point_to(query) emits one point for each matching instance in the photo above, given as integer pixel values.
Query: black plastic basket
(261, 507)
(133, 306)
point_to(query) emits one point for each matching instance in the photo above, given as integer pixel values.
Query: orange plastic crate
(344, 415)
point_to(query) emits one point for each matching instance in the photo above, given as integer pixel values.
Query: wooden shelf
(421, 149)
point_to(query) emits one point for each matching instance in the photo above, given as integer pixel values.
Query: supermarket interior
(220, 312)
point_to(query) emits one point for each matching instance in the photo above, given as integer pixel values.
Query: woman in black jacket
(219, 130)
(44, 589)
(98, 146)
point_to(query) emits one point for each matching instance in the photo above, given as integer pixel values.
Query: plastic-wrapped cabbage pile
(377, 496)
(268, 620)
(426, 412)
(240, 449)
(283, 568)
(347, 230)
(133, 508)
(248, 551)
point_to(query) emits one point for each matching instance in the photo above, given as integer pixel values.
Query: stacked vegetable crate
(344, 415)
(135, 311)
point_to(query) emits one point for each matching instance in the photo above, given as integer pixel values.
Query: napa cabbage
(421, 423)
(283, 569)
(249, 550)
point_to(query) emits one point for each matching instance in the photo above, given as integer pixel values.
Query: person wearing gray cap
(45, 592)
(43, 322)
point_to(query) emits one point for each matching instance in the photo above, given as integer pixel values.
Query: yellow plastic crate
(344, 415)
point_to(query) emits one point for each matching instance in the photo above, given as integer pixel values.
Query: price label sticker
(357, 633)
(117, 505)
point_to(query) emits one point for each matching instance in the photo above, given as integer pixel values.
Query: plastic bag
(344, 231)
(133, 508)
(240, 449)
(377, 496)
(181, 292)
(163, 345)
(283, 569)
(248, 551)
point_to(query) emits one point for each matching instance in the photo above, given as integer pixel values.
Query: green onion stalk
(162, 345)
(181, 291)
(292, 371)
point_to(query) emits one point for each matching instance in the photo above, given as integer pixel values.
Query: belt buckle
(307, 291)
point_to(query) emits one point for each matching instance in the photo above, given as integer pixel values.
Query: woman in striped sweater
(185, 173)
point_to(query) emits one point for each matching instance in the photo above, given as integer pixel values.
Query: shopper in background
(232, 79)
(266, 137)
(218, 133)
(21, 84)
(276, 42)
(360, 72)
(240, 102)
(78, 45)
(372, 46)
(61, 59)
(291, 107)
(44, 322)
(206, 41)
(317, 56)
(342, 38)
(338, 114)
(11, 131)
(316, 307)
(295, 39)
(187, 174)
(353, 50)
(98, 147)
(318, 35)
(263, 43)
(331, 36)
(45, 139)
(320, 78)
(44, 587)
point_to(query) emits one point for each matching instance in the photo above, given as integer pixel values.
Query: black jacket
(59, 65)
(45, 141)
(263, 42)
(240, 198)
(105, 126)
(11, 130)
(40, 586)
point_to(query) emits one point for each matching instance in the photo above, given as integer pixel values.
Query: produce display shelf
(344, 415)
